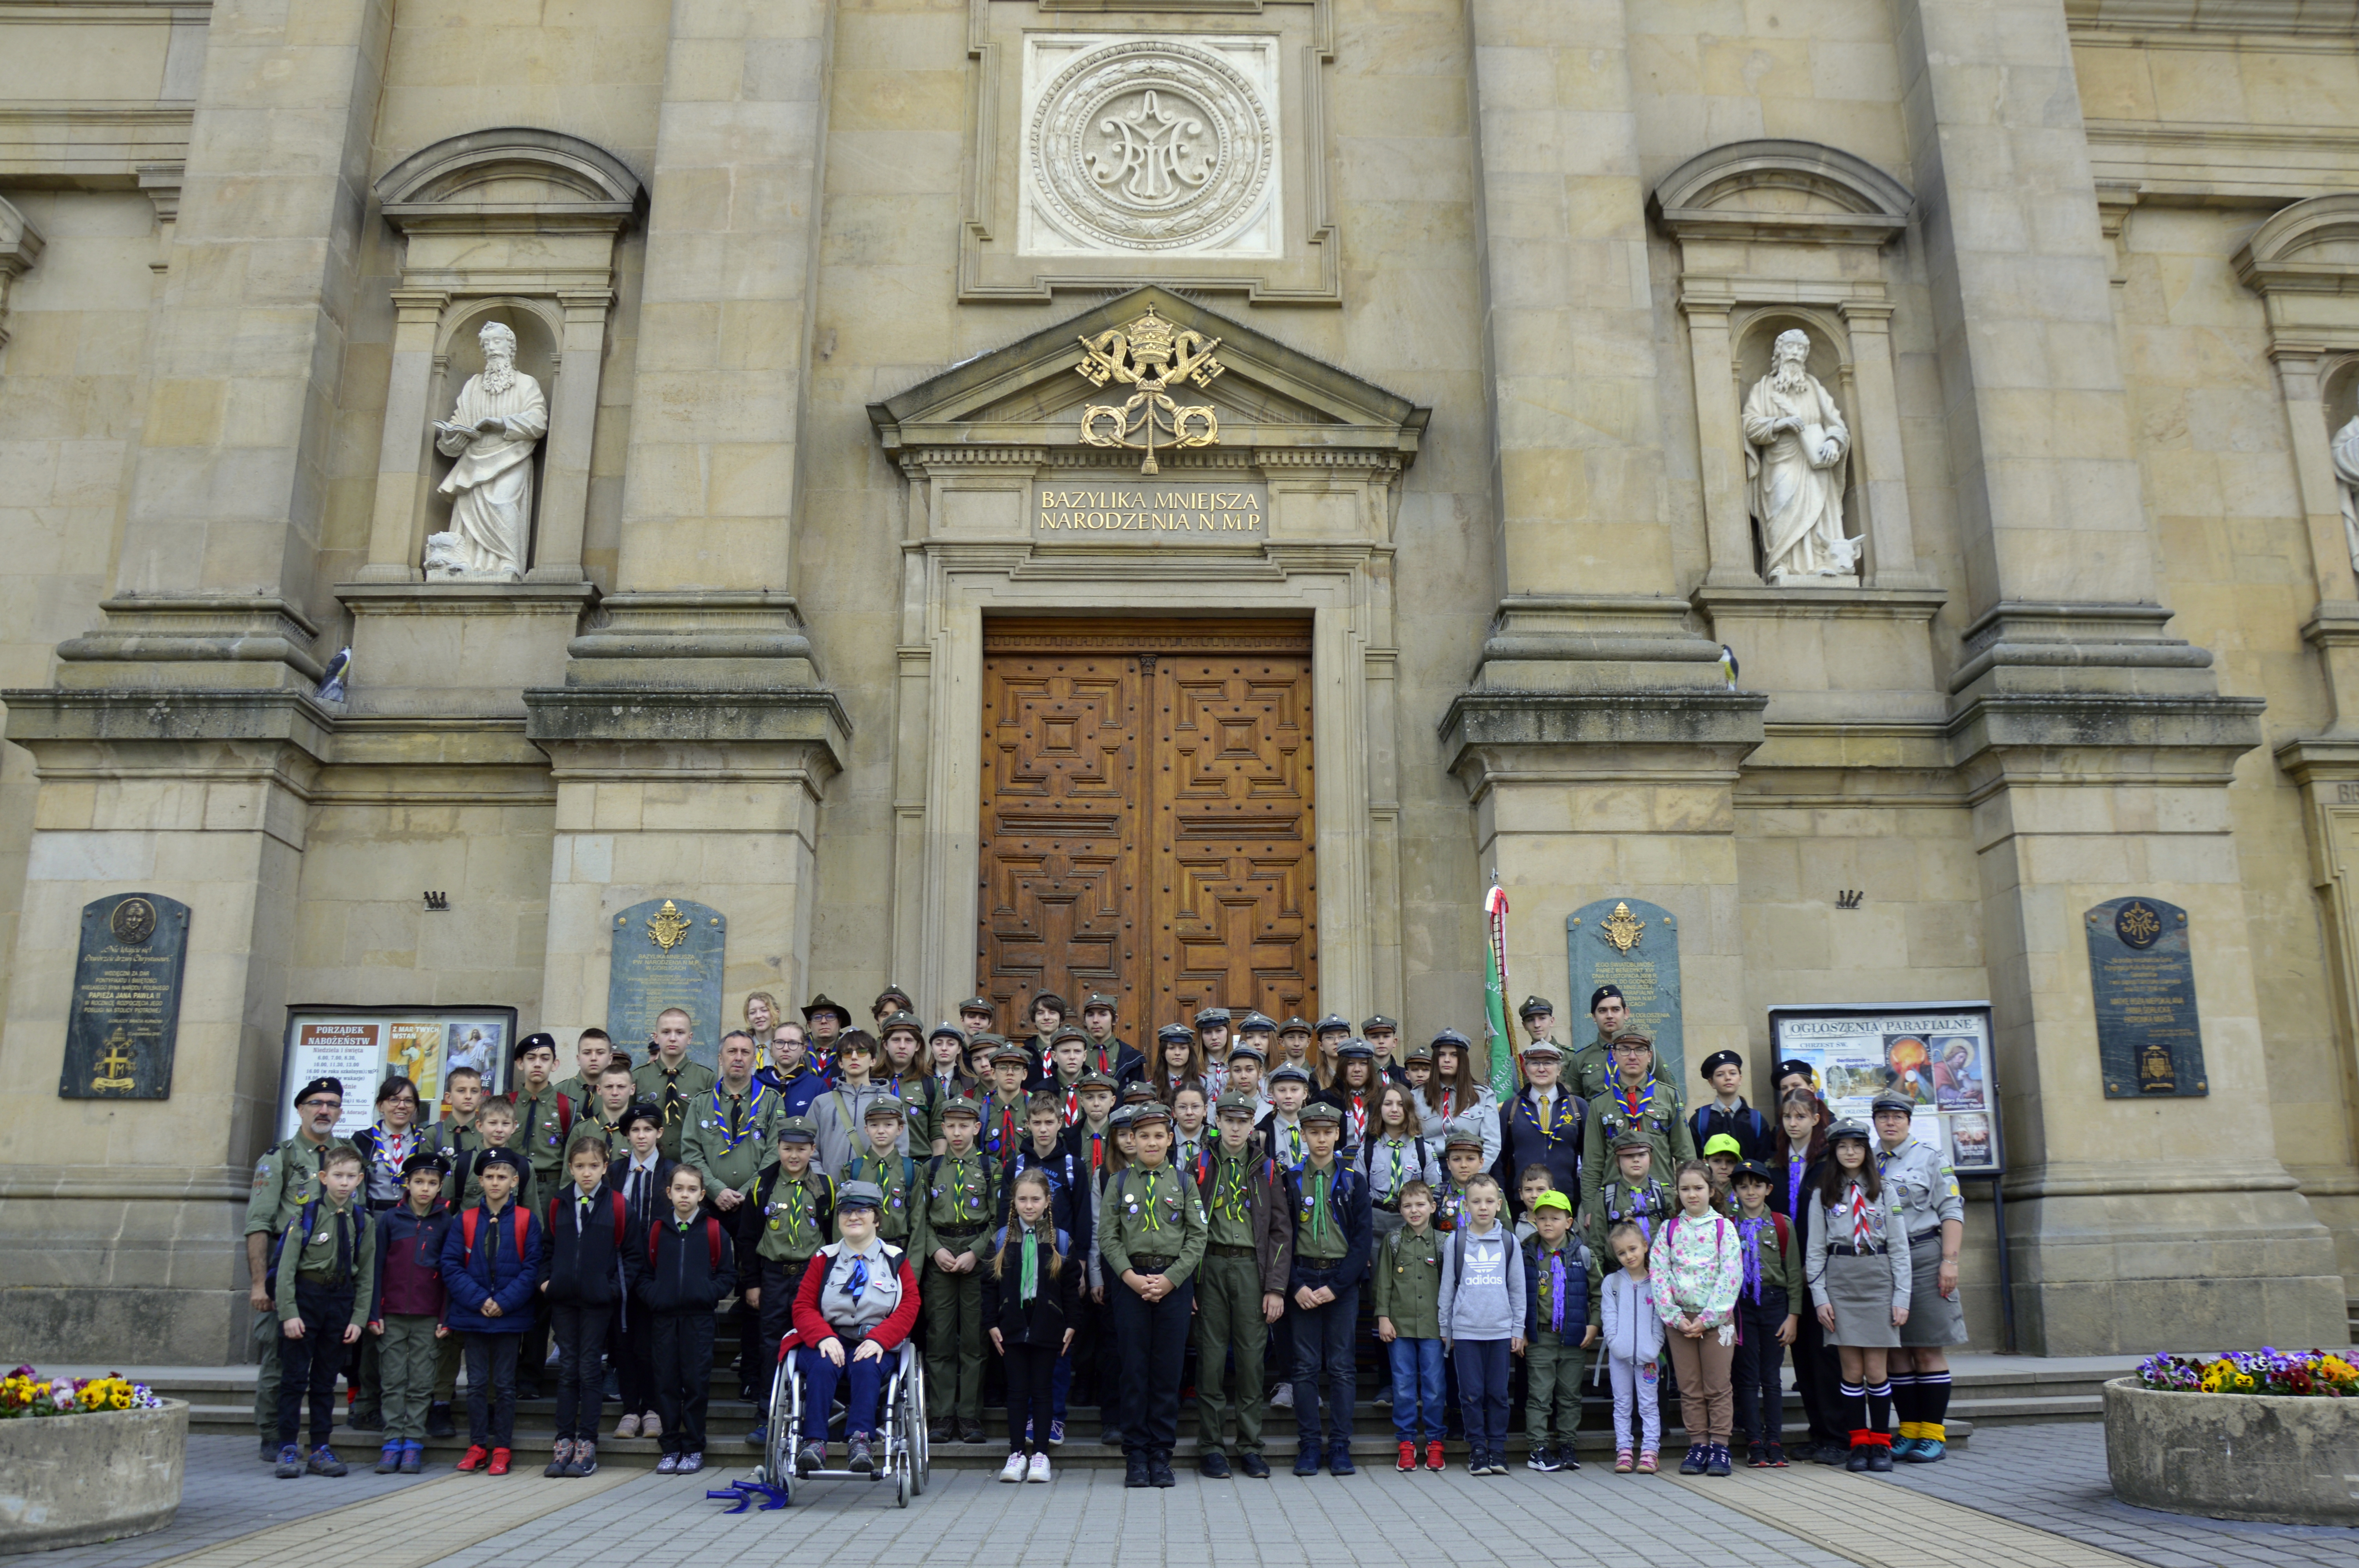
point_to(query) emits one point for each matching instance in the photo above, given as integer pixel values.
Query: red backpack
(467, 1232)
(712, 1240)
(550, 1223)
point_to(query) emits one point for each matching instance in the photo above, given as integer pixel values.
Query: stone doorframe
(1331, 449)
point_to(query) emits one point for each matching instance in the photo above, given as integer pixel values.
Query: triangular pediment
(1031, 393)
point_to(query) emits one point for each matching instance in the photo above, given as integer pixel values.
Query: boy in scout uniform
(1382, 1035)
(726, 1138)
(1241, 1289)
(1591, 1069)
(1635, 1193)
(1766, 1314)
(959, 1202)
(327, 1278)
(1919, 1179)
(1091, 1138)
(609, 1101)
(1637, 1100)
(1107, 1054)
(284, 1179)
(882, 1163)
(1152, 1242)
(826, 1022)
(668, 1080)
(544, 1116)
(789, 1216)
(1004, 1109)
(592, 1050)
(455, 1133)
(1329, 1203)
(1561, 1320)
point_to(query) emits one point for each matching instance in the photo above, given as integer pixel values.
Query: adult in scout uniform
(727, 1141)
(789, 1218)
(1328, 1202)
(1637, 1191)
(668, 1080)
(957, 1202)
(1590, 1070)
(1726, 1113)
(284, 1179)
(893, 1175)
(1152, 1242)
(1241, 1289)
(913, 1087)
(1918, 1178)
(1108, 1053)
(1542, 1125)
(825, 1019)
(1639, 1100)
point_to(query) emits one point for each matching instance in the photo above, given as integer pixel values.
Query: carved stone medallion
(1152, 145)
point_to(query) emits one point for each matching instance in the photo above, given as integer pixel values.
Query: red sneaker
(499, 1462)
(1408, 1457)
(1433, 1459)
(474, 1457)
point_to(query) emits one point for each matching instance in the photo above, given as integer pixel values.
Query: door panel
(1149, 816)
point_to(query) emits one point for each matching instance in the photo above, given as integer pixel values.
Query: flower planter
(70, 1480)
(2280, 1458)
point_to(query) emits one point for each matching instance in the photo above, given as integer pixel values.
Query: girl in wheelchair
(857, 1304)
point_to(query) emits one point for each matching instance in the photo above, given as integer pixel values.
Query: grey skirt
(1860, 1290)
(1933, 1323)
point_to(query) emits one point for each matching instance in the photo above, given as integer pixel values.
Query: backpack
(467, 1231)
(309, 1219)
(550, 1223)
(712, 1241)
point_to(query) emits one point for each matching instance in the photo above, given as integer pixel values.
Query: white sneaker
(1014, 1470)
(1282, 1396)
(1039, 1468)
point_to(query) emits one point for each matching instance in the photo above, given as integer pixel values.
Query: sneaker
(938, 1430)
(1757, 1456)
(501, 1459)
(560, 1454)
(1158, 1470)
(1716, 1459)
(1339, 1458)
(627, 1427)
(1777, 1456)
(1134, 1473)
(1929, 1451)
(1108, 1436)
(269, 1454)
(1212, 1464)
(1543, 1461)
(759, 1437)
(1856, 1463)
(585, 1459)
(1902, 1447)
(861, 1462)
(669, 1465)
(1647, 1462)
(291, 1462)
(1012, 1471)
(413, 1458)
(1254, 1465)
(690, 1464)
(1623, 1461)
(1837, 1454)
(1306, 1461)
(1037, 1470)
(1407, 1461)
(971, 1431)
(651, 1426)
(811, 1460)
(1434, 1457)
(1282, 1396)
(1056, 1434)
(1565, 1460)
(389, 1462)
(1693, 1465)
(474, 1458)
(439, 1423)
(1879, 1460)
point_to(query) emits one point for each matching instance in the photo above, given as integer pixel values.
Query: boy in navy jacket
(643, 1175)
(691, 1268)
(586, 1271)
(490, 1269)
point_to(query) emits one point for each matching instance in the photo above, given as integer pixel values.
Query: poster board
(363, 1045)
(1936, 1053)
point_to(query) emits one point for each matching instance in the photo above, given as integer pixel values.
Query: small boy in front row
(490, 1269)
(690, 1269)
(1559, 1323)
(407, 1313)
(1407, 1302)
(1765, 1321)
(327, 1278)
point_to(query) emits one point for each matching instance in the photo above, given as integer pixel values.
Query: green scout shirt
(618, 1144)
(728, 1138)
(540, 1132)
(1318, 1234)
(452, 1139)
(895, 1174)
(582, 1091)
(1237, 1179)
(323, 1262)
(673, 1090)
(1152, 1213)
(1408, 1282)
(791, 1231)
(1617, 1201)
(1781, 1265)
(1003, 1120)
(1662, 1119)
(284, 1179)
(917, 1097)
(1590, 1070)
(962, 1193)
(1544, 1306)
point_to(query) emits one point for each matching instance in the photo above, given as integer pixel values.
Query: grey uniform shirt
(1922, 1184)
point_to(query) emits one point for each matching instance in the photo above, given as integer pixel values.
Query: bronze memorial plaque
(126, 999)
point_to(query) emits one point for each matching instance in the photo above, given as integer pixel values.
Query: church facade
(1171, 498)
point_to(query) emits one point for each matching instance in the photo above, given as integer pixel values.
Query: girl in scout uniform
(1452, 1094)
(905, 1077)
(1395, 1154)
(1857, 1264)
(1178, 1062)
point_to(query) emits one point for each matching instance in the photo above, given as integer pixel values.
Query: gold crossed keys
(1149, 353)
(666, 926)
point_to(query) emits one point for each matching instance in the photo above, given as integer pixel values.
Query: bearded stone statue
(500, 418)
(1795, 442)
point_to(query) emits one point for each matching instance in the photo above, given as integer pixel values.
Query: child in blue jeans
(1483, 1320)
(1407, 1299)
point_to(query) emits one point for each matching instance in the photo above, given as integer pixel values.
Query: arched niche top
(514, 170)
(1776, 189)
(2310, 247)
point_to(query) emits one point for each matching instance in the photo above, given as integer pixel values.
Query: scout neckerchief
(1027, 1274)
(1105, 1061)
(1072, 1093)
(965, 1197)
(1635, 1103)
(1184, 1153)
(344, 1244)
(1355, 1115)
(1793, 1184)
(745, 1115)
(674, 1102)
(1004, 1133)
(797, 1199)
(390, 1150)
(1392, 1147)
(1861, 1225)
(1232, 1199)
(1751, 1230)
(1552, 1287)
(1317, 1186)
(1097, 1149)
(855, 1284)
(1642, 1209)
(1294, 1146)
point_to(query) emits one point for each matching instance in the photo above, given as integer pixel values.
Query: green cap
(1722, 1144)
(1552, 1199)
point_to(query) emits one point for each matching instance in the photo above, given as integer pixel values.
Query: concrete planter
(2256, 1457)
(70, 1480)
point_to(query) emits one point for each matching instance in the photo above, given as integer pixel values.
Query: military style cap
(959, 1106)
(799, 1129)
(1547, 1049)
(1297, 1024)
(1287, 1072)
(643, 1111)
(319, 1086)
(1333, 1021)
(508, 1157)
(1244, 1048)
(1376, 1022)
(892, 993)
(1207, 1015)
(1418, 1053)
(823, 1003)
(1602, 992)
(1068, 1032)
(1149, 1110)
(1237, 1105)
(1891, 1100)
(1631, 1137)
(1533, 1004)
(903, 1019)
(946, 1028)
(1847, 1128)
(1138, 1092)
(1722, 1144)
(425, 1160)
(978, 1004)
(859, 1195)
(1256, 1023)
(1752, 1171)
(1355, 1049)
(533, 1041)
(1097, 1081)
(1051, 998)
(1796, 1066)
(884, 1108)
(1552, 1199)
(1461, 1136)
(1719, 1059)
(1175, 1034)
(1100, 998)
(1124, 1115)
(1451, 1037)
(1008, 1051)
(1319, 1110)
(1633, 1039)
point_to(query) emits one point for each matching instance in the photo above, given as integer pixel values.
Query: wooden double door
(1148, 818)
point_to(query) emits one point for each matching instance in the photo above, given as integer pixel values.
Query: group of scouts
(1248, 1192)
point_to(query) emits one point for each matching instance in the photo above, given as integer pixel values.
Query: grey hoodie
(1488, 1301)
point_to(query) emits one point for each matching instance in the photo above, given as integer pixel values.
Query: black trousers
(632, 1348)
(781, 1277)
(1149, 1337)
(532, 1356)
(1760, 1397)
(491, 1389)
(683, 1358)
(581, 1334)
(1818, 1374)
(1031, 1369)
(308, 1366)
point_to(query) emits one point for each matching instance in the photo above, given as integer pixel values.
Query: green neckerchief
(1322, 1183)
(1229, 1194)
(1028, 1278)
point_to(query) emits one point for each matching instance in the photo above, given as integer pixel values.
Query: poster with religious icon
(363, 1047)
(1937, 1054)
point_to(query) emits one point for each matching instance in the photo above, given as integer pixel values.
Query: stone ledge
(76, 1479)
(1821, 603)
(786, 714)
(167, 713)
(2180, 735)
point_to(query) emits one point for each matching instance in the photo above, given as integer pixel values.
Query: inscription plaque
(2143, 980)
(1630, 943)
(126, 999)
(668, 953)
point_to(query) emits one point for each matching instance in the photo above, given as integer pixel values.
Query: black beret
(642, 1111)
(508, 1157)
(1719, 1059)
(331, 1086)
(1602, 992)
(425, 1160)
(533, 1043)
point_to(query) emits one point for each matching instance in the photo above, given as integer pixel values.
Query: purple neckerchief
(1793, 1185)
(1750, 1230)
(1556, 1292)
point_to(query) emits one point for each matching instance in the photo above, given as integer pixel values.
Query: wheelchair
(902, 1454)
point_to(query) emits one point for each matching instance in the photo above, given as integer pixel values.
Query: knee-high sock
(1851, 1404)
(1933, 1405)
(1879, 1411)
(1905, 1400)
